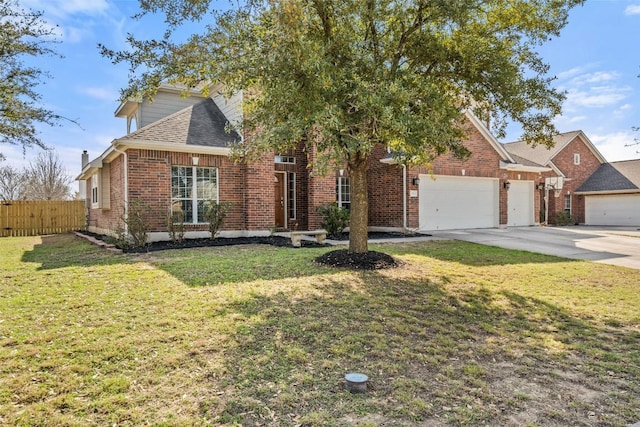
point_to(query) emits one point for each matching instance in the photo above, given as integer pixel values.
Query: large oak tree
(346, 75)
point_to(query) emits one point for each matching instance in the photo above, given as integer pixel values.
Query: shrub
(175, 224)
(334, 218)
(215, 214)
(136, 235)
(564, 218)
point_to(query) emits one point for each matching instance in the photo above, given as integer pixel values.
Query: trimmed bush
(334, 219)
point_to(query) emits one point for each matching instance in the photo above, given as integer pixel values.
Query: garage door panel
(622, 209)
(520, 204)
(455, 203)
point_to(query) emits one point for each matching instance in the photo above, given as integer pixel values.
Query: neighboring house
(612, 194)
(178, 157)
(573, 159)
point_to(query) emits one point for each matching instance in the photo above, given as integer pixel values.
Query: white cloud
(73, 19)
(632, 9)
(576, 119)
(101, 93)
(65, 8)
(569, 122)
(616, 146)
(596, 89)
(599, 97)
(73, 34)
(597, 77)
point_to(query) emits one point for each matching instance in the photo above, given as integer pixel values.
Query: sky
(596, 60)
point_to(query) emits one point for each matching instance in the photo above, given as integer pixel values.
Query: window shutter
(104, 195)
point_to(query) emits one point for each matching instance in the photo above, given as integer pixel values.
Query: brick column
(259, 194)
(320, 191)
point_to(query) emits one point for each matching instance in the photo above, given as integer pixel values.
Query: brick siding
(575, 176)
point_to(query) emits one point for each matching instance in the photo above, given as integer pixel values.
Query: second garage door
(619, 209)
(520, 203)
(448, 203)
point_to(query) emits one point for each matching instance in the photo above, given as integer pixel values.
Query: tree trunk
(359, 205)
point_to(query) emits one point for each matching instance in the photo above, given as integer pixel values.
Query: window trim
(339, 194)
(568, 202)
(282, 159)
(95, 191)
(291, 188)
(194, 191)
(576, 159)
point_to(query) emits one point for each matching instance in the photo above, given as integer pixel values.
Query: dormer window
(576, 159)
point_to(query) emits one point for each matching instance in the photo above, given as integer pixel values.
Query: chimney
(85, 158)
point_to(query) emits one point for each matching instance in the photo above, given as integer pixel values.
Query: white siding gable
(230, 107)
(163, 105)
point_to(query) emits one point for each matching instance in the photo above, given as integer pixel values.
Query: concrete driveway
(609, 245)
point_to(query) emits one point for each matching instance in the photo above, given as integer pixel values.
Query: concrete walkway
(610, 245)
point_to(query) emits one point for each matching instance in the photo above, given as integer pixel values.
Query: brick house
(177, 158)
(573, 159)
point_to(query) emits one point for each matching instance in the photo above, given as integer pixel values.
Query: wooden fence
(33, 218)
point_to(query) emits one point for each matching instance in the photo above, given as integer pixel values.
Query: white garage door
(448, 203)
(520, 204)
(621, 209)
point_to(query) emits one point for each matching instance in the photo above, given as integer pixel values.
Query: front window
(191, 188)
(343, 190)
(567, 203)
(576, 159)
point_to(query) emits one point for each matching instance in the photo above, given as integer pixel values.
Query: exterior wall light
(415, 181)
(506, 185)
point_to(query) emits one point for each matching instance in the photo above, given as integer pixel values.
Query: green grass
(460, 334)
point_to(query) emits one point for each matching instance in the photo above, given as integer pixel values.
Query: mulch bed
(206, 242)
(341, 258)
(371, 260)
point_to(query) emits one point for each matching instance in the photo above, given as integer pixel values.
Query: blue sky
(596, 60)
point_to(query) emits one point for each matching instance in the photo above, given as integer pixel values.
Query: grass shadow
(66, 250)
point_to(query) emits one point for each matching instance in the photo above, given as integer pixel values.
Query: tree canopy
(346, 75)
(23, 34)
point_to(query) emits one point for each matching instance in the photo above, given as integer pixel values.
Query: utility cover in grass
(358, 261)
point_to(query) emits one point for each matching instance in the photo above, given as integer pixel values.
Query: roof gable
(613, 177)
(202, 124)
(495, 144)
(544, 155)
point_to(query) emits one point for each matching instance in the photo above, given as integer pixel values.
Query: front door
(279, 200)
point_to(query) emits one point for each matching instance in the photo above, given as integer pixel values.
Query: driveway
(609, 245)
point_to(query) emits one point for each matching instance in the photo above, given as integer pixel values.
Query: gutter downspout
(404, 197)
(126, 188)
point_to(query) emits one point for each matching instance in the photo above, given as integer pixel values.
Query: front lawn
(460, 334)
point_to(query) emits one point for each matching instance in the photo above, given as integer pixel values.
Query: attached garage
(612, 194)
(618, 209)
(520, 204)
(448, 202)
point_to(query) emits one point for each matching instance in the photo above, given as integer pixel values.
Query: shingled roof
(613, 177)
(202, 124)
(543, 155)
